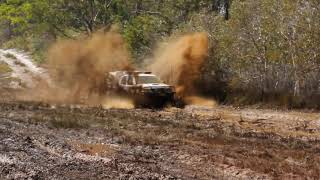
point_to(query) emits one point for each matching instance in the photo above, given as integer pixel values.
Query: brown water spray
(78, 68)
(179, 61)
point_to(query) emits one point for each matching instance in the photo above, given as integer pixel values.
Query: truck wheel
(179, 103)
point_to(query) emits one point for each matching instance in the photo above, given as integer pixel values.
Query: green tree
(16, 14)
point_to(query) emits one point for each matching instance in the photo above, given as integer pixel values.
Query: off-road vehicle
(145, 88)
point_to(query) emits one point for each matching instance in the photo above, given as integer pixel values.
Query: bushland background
(261, 51)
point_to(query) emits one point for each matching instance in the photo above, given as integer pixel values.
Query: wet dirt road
(39, 141)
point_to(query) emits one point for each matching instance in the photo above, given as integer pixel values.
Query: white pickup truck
(145, 88)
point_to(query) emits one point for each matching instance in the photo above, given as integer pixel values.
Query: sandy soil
(40, 141)
(24, 70)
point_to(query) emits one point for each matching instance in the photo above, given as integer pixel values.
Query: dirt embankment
(53, 142)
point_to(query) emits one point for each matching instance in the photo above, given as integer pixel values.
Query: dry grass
(10, 56)
(67, 121)
(4, 68)
(19, 63)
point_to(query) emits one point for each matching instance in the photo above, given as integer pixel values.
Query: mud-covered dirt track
(40, 141)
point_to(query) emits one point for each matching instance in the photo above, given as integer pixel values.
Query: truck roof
(122, 73)
(143, 74)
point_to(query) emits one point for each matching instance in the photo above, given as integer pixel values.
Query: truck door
(130, 86)
(123, 82)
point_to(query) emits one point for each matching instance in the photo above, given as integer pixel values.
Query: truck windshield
(147, 80)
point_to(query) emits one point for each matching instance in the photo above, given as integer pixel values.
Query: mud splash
(78, 67)
(111, 102)
(179, 61)
(200, 101)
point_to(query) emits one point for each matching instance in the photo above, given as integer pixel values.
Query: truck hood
(155, 85)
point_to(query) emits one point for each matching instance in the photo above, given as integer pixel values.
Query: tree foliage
(141, 21)
(268, 50)
(260, 49)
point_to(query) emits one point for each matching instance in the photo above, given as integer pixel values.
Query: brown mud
(41, 141)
